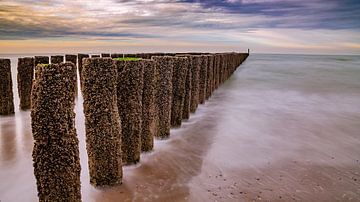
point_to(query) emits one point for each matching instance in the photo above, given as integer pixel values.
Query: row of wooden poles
(126, 105)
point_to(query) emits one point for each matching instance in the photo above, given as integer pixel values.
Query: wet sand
(282, 128)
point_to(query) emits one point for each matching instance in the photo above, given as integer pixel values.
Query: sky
(263, 26)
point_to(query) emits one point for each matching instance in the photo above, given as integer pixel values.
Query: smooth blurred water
(283, 127)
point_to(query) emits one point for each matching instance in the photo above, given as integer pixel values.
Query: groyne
(129, 99)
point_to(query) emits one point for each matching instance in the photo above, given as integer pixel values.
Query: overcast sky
(266, 26)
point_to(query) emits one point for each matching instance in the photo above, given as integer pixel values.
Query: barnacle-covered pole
(56, 147)
(25, 79)
(6, 91)
(129, 102)
(164, 94)
(102, 121)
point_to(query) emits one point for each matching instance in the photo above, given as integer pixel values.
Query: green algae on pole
(129, 102)
(6, 91)
(56, 147)
(41, 60)
(128, 59)
(180, 68)
(25, 77)
(196, 62)
(164, 94)
(149, 115)
(56, 59)
(102, 121)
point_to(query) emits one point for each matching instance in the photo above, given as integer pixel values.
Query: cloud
(184, 21)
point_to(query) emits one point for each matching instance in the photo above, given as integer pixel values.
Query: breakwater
(172, 64)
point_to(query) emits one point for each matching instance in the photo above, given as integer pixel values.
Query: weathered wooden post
(102, 121)
(164, 94)
(141, 55)
(221, 72)
(116, 55)
(71, 58)
(105, 55)
(217, 70)
(25, 79)
(56, 149)
(180, 67)
(188, 86)
(129, 102)
(56, 59)
(6, 91)
(129, 55)
(228, 66)
(149, 113)
(144, 55)
(196, 62)
(203, 79)
(213, 86)
(209, 79)
(41, 60)
(80, 62)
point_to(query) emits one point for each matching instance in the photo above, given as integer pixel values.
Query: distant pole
(248, 51)
(25, 79)
(6, 90)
